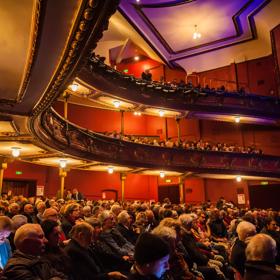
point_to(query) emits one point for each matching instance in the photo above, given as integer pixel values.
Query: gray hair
(104, 215)
(185, 219)
(18, 221)
(123, 217)
(165, 232)
(261, 247)
(245, 229)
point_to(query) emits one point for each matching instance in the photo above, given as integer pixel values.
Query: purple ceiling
(168, 25)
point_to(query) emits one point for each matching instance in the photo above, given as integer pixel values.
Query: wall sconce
(137, 113)
(136, 58)
(161, 174)
(196, 34)
(62, 163)
(161, 113)
(15, 151)
(110, 170)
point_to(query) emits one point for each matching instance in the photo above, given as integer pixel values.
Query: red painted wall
(256, 76)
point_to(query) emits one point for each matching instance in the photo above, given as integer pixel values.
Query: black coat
(258, 270)
(27, 267)
(238, 257)
(83, 263)
(128, 234)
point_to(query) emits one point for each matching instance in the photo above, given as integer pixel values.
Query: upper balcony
(61, 135)
(186, 101)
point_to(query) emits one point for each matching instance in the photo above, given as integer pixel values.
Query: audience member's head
(124, 218)
(245, 231)
(28, 208)
(261, 247)
(51, 231)
(14, 209)
(30, 239)
(50, 214)
(186, 221)
(106, 220)
(18, 221)
(5, 227)
(151, 255)
(82, 234)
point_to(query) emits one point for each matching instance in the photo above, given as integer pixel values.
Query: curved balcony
(61, 135)
(109, 81)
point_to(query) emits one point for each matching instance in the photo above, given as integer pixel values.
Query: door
(26, 188)
(170, 191)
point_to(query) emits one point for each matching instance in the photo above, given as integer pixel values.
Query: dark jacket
(85, 267)
(128, 234)
(135, 275)
(258, 270)
(27, 267)
(238, 257)
(78, 196)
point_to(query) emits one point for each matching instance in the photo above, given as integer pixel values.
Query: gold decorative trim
(87, 23)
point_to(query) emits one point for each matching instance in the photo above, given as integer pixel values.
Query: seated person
(5, 248)
(260, 254)
(146, 75)
(86, 265)
(26, 262)
(151, 258)
(245, 231)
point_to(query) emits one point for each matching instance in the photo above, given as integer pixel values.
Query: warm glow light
(161, 174)
(15, 151)
(136, 58)
(110, 170)
(137, 113)
(62, 163)
(137, 1)
(196, 34)
(161, 113)
(237, 119)
(238, 178)
(117, 103)
(74, 87)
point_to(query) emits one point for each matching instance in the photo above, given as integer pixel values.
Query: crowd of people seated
(185, 144)
(180, 87)
(43, 238)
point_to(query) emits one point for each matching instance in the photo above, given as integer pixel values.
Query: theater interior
(76, 112)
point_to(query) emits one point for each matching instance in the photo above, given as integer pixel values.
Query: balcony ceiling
(230, 30)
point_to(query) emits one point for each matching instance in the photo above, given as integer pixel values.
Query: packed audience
(75, 238)
(185, 144)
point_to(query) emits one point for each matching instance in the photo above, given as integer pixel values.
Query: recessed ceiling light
(237, 119)
(62, 163)
(196, 34)
(116, 103)
(238, 178)
(136, 58)
(161, 174)
(161, 113)
(74, 87)
(110, 170)
(15, 151)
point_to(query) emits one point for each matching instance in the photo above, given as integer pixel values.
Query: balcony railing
(106, 79)
(62, 135)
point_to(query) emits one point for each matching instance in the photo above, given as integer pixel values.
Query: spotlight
(117, 103)
(62, 163)
(110, 170)
(196, 34)
(15, 151)
(74, 87)
(161, 113)
(161, 174)
(238, 179)
(237, 119)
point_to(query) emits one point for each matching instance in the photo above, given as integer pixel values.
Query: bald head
(30, 239)
(50, 214)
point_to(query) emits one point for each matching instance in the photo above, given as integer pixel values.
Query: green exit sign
(264, 183)
(125, 70)
(18, 172)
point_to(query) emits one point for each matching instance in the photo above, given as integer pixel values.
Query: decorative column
(122, 177)
(122, 124)
(181, 189)
(66, 96)
(62, 175)
(166, 128)
(178, 129)
(3, 166)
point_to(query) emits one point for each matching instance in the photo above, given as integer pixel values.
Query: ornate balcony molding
(61, 135)
(107, 80)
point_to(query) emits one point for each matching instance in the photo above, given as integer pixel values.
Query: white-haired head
(186, 220)
(245, 230)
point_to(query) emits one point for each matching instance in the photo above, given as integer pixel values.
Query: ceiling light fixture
(161, 113)
(74, 87)
(136, 58)
(196, 34)
(62, 163)
(110, 170)
(15, 151)
(116, 103)
(237, 119)
(238, 178)
(161, 174)
(137, 113)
